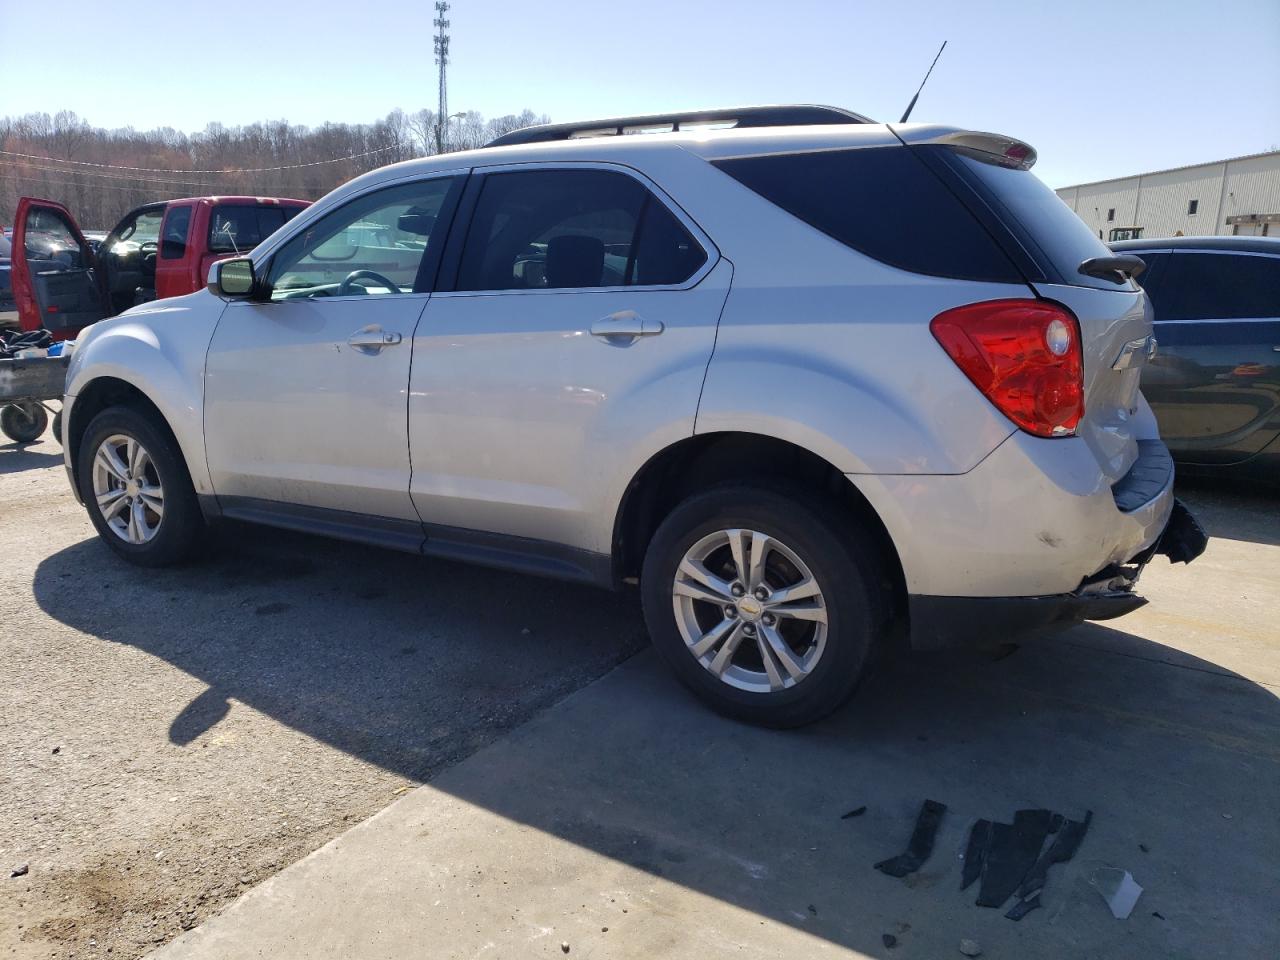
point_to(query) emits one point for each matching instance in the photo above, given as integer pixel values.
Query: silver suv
(803, 377)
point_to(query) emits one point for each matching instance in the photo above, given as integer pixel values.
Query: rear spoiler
(990, 147)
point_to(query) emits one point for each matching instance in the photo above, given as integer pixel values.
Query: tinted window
(238, 229)
(1220, 286)
(883, 202)
(177, 223)
(1152, 279)
(1045, 221)
(375, 244)
(560, 229)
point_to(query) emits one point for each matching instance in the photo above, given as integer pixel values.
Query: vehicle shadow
(412, 664)
(1234, 510)
(405, 662)
(15, 457)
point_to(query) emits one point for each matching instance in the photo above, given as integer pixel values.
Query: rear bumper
(1034, 535)
(941, 622)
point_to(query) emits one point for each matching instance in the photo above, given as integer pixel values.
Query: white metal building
(1240, 197)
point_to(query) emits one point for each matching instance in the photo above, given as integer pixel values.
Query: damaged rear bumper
(943, 622)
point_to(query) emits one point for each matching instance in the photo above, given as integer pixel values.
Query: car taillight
(1025, 357)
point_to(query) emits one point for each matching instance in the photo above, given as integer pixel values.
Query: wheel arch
(101, 394)
(705, 460)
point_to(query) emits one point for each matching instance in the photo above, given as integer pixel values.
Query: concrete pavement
(629, 822)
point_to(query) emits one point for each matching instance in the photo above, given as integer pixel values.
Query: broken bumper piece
(943, 622)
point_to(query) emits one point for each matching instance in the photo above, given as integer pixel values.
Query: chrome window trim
(699, 235)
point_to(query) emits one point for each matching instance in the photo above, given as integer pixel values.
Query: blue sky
(1101, 89)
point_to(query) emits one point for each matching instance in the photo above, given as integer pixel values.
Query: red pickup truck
(158, 250)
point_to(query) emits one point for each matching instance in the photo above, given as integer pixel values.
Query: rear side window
(883, 202)
(1039, 218)
(173, 236)
(238, 229)
(573, 229)
(1219, 286)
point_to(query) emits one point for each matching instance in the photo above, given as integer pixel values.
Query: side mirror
(232, 279)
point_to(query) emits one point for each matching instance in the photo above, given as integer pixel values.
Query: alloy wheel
(127, 489)
(750, 610)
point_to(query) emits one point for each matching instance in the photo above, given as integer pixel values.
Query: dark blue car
(1215, 382)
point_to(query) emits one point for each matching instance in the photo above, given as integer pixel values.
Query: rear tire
(724, 624)
(57, 426)
(135, 485)
(23, 422)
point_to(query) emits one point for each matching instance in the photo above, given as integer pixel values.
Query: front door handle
(373, 339)
(626, 325)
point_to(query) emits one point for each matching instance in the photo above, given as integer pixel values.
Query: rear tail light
(1025, 357)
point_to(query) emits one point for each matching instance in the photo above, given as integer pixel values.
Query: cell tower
(442, 60)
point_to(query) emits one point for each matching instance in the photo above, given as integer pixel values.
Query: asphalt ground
(170, 740)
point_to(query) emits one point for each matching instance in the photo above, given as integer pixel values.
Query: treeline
(101, 174)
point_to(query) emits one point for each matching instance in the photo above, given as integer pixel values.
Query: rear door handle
(373, 339)
(626, 325)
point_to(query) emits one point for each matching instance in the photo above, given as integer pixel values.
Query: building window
(1111, 215)
(1192, 207)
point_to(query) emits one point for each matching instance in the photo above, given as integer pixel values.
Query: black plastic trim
(941, 622)
(406, 535)
(520, 554)
(1151, 472)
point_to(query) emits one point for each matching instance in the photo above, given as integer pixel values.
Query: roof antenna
(912, 105)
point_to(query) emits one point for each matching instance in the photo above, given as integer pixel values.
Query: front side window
(375, 244)
(573, 229)
(50, 240)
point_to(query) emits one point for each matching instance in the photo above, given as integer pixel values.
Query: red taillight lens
(1025, 357)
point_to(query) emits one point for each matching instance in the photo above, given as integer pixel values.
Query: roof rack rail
(790, 115)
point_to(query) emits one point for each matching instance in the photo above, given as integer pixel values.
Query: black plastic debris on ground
(1063, 848)
(1010, 859)
(974, 853)
(1013, 859)
(921, 844)
(1011, 853)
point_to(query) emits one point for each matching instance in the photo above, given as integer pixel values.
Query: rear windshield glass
(881, 201)
(1046, 221)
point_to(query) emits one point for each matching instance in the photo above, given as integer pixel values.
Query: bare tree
(101, 174)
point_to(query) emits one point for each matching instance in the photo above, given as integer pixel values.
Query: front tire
(135, 485)
(766, 604)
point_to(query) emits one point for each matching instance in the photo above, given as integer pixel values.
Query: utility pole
(442, 60)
